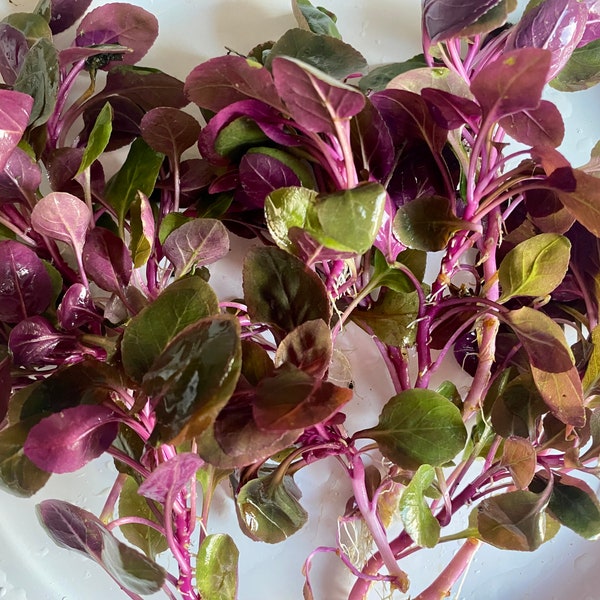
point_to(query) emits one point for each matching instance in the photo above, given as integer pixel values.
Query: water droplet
(585, 563)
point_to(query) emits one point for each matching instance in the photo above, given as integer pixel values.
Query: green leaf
(392, 318)
(18, 475)
(427, 223)
(39, 77)
(591, 379)
(417, 427)
(138, 174)
(141, 222)
(519, 456)
(348, 220)
(131, 504)
(391, 276)
(279, 289)
(171, 222)
(33, 26)
(378, 78)
(194, 377)
(268, 509)
(575, 504)
(184, 302)
(514, 521)
(418, 520)
(535, 267)
(582, 70)
(98, 139)
(217, 568)
(323, 52)
(237, 136)
(286, 208)
(315, 19)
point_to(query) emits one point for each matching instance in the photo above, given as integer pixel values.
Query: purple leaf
(21, 177)
(196, 243)
(169, 130)
(107, 260)
(554, 25)
(260, 174)
(541, 126)
(448, 110)
(25, 286)
(74, 54)
(5, 384)
(32, 343)
(13, 48)
(499, 87)
(444, 19)
(372, 143)
(15, 108)
(119, 23)
(77, 529)
(65, 13)
(407, 117)
(221, 81)
(77, 308)
(316, 101)
(592, 26)
(62, 216)
(62, 165)
(170, 477)
(66, 441)
(267, 118)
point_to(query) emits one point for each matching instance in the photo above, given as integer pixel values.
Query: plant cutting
(122, 189)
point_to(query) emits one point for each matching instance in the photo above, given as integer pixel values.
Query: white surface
(32, 568)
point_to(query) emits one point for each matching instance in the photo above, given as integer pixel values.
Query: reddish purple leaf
(541, 126)
(64, 13)
(66, 441)
(314, 100)
(77, 529)
(170, 477)
(444, 19)
(107, 260)
(592, 26)
(448, 110)
(5, 384)
(13, 48)
(74, 54)
(77, 308)
(500, 86)
(555, 25)
(169, 130)
(260, 174)
(221, 81)
(62, 216)
(119, 23)
(21, 177)
(15, 108)
(196, 243)
(25, 286)
(33, 343)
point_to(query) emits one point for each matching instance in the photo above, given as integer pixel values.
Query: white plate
(33, 568)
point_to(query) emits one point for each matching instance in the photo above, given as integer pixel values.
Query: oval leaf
(417, 427)
(169, 130)
(170, 477)
(180, 304)
(196, 243)
(217, 568)
(14, 118)
(66, 441)
(62, 216)
(535, 267)
(194, 377)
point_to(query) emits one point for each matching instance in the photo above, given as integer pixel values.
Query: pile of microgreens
(349, 179)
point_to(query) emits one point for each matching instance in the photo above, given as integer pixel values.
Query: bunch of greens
(350, 180)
